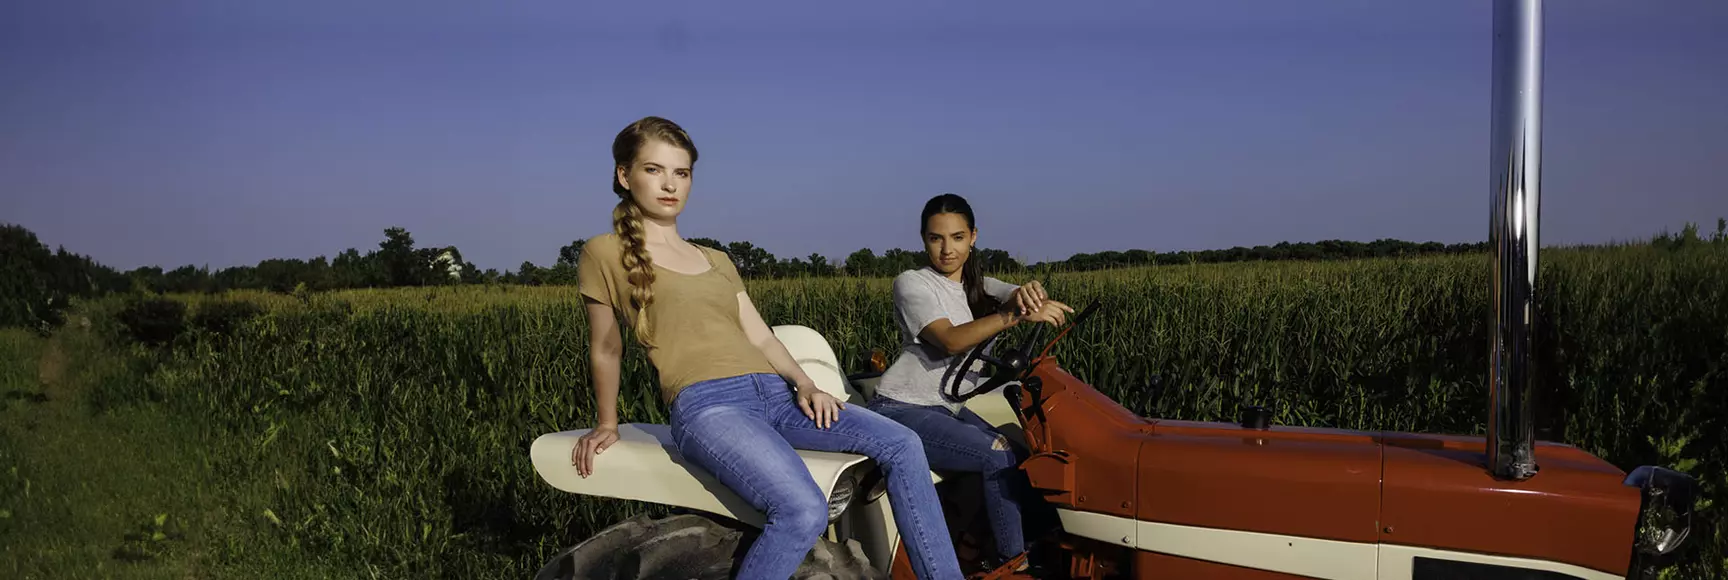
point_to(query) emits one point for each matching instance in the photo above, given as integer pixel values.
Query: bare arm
(605, 350)
(1024, 303)
(958, 339)
(764, 340)
(817, 404)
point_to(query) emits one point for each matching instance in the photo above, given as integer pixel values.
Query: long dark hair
(972, 270)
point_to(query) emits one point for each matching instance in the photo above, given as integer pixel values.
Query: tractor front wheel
(689, 546)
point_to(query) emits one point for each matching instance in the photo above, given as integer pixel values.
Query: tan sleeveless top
(697, 332)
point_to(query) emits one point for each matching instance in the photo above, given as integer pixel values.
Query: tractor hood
(1355, 490)
(1381, 488)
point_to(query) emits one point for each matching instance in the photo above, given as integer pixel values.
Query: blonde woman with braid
(739, 403)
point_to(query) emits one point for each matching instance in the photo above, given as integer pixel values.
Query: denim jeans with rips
(963, 441)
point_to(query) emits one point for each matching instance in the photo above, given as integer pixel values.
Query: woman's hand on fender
(590, 445)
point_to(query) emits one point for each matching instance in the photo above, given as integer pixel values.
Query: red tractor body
(1144, 491)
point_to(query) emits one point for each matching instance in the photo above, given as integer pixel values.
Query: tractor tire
(689, 547)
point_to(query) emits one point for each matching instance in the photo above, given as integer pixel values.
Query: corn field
(398, 422)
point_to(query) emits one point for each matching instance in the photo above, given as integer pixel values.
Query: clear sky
(224, 132)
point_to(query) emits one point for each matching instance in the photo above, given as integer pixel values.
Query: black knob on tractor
(1256, 417)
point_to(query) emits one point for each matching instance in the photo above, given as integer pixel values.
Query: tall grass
(399, 421)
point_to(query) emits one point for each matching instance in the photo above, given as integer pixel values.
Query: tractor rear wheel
(689, 546)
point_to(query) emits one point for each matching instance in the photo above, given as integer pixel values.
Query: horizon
(1702, 232)
(215, 135)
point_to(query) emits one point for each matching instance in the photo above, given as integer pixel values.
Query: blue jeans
(743, 430)
(964, 442)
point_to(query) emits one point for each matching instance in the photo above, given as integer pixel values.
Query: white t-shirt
(923, 296)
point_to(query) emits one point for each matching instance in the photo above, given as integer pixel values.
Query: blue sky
(226, 132)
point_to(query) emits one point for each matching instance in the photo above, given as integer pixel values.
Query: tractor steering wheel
(1015, 364)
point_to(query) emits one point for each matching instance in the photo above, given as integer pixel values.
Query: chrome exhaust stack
(1667, 497)
(1515, 169)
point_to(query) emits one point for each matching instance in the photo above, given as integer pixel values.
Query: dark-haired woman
(944, 310)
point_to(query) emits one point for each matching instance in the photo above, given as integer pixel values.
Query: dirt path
(128, 493)
(51, 370)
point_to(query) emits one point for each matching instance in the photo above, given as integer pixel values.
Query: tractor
(1142, 497)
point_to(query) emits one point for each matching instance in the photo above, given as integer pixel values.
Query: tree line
(755, 262)
(35, 283)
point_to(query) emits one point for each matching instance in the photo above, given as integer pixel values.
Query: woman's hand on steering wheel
(1052, 312)
(1029, 298)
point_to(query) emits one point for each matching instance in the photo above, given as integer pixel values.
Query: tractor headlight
(1665, 512)
(844, 489)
